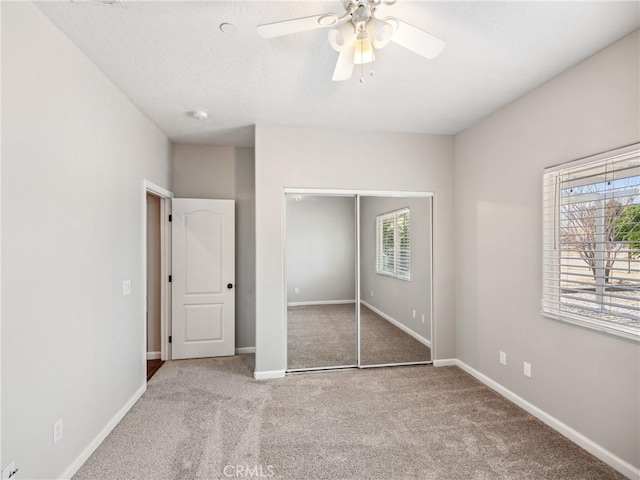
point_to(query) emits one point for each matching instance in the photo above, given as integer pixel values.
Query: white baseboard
(447, 362)
(153, 355)
(402, 327)
(269, 374)
(576, 437)
(245, 350)
(320, 302)
(95, 443)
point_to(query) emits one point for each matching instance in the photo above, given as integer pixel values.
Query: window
(591, 242)
(393, 244)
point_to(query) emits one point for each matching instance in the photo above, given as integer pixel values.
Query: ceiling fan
(358, 32)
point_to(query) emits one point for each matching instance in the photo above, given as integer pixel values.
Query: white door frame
(165, 267)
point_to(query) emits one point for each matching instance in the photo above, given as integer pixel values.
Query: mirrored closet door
(395, 279)
(321, 281)
(358, 279)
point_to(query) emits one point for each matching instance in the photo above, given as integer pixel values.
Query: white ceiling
(171, 57)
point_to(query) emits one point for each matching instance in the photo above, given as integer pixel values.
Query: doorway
(156, 234)
(153, 293)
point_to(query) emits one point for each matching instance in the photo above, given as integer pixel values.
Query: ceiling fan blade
(287, 27)
(344, 67)
(414, 39)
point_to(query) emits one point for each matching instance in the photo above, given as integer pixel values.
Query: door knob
(229, 285)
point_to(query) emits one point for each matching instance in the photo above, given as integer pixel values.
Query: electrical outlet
(527, 369)
(9, 471)
(503, 358)
(414, 314)
(423, 318)
(296, 290)
(126, 287)
(57, 431)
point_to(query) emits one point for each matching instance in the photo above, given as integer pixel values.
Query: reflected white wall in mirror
(321, 281)
(320, 249)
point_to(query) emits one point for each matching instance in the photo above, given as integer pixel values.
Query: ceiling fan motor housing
(362, 13)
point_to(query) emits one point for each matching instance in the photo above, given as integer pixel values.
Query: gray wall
(394, 297)
(305, 157)
(586, 379)
(72, 226)
(245, 185)
(202, 171)
(227, 173)
(321, 244)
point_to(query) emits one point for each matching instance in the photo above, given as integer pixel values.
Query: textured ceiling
(171, 57)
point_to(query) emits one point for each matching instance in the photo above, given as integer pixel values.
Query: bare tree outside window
(592, 243)
(592, 225)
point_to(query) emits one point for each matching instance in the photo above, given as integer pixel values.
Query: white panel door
(203, 278)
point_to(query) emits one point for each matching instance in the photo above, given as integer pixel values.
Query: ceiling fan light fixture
(380, 32)
(393, 22)
(341, 36)
(364, 49)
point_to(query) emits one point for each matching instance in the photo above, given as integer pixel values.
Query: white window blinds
(591, 242)
(393, 244)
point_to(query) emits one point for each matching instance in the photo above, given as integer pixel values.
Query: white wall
(394, 297)
(586, 379)
(321, 244)
(327, 158)
(227, 173)
(75, 152)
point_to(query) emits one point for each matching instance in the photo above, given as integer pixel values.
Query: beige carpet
(325, 336)
(321, 336)
(208, 419)
(381, 342)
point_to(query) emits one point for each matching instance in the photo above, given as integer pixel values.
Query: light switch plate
(126, 287)
(57, 431)
(503, 358)
(527, 369)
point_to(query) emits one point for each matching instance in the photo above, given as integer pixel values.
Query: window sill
(596, 325)
(398, 277)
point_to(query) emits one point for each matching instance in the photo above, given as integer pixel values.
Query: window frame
(397, 270)
(551, 244)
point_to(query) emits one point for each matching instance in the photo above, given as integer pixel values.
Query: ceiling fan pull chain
(361, 65)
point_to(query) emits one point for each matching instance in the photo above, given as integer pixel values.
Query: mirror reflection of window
(395, 279)
(393, 244)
